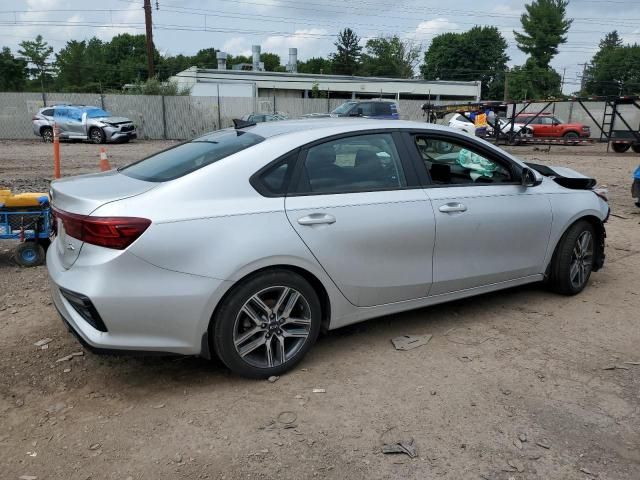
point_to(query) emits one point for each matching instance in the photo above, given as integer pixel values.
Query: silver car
(79, 122)
(246, 243)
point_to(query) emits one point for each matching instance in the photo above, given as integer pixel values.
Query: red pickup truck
(547, 125)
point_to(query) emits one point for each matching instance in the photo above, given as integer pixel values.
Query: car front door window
(452, 163)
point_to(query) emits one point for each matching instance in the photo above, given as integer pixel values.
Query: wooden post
(56, 151)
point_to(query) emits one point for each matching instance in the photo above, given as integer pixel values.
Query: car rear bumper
(143, 308)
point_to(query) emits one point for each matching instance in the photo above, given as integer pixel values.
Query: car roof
(346, 125)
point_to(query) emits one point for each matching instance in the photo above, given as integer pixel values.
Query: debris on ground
(409, 342)
(406, 447)
(584, 470)
(43, 343)
(631, 363)
(319, 390)
(69, 357)
(287, 417)
(523, 437)
(543, 445)
(615, 367)
(28, 477)
(159, 405)
(94, 446)
(273, 378)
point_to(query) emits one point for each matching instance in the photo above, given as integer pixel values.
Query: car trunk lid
(83, 195)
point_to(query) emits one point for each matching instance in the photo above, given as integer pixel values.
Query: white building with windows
(256, 83)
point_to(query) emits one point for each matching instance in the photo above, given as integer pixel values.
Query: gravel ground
(518, 384)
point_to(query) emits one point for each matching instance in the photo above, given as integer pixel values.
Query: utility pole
(583, 79)
(506, 86)
(148, 25)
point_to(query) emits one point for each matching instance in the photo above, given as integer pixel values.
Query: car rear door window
(452, 163)
(273, 181)
(191, 156)
(48, 112)
(354, 164)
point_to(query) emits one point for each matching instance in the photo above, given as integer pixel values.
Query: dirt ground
(520, 384)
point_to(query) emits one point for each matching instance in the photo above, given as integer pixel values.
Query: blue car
(378, 109)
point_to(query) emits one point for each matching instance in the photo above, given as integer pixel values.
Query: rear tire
(29, 254)
(267, 324)
(47, 134)
(572, 262)
(621, 147)
(636, 147)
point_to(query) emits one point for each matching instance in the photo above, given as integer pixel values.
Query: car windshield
(97, 113)
(344, 108)
(191, 156)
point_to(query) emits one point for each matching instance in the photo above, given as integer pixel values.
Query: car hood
(112, 119)
(564, 176)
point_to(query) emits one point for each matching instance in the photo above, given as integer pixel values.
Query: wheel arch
(600, 232)
(317, 285)
(44, 127)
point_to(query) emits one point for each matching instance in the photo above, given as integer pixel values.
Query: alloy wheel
(47, 135)
(581, 260)
(96, 136)
(272, 326)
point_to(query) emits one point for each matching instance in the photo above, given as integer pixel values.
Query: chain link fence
(183, 117)
(179, 117)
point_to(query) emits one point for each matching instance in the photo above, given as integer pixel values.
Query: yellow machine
(20, 200)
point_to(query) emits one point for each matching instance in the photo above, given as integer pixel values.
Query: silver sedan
(245, 243)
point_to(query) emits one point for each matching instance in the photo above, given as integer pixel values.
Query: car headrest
(321, 156)
(366, 158)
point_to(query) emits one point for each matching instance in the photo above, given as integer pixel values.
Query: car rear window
(191, 156)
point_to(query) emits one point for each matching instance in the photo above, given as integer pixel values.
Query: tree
(532, 81)
(478, 54)
(316, 92)
(346, 60)
(271, 62)
(205, 58)
(614, 69)
(126, 59)
(13, 72)
(545, 27)
(316, 65)
(390, 57)
(37, 52)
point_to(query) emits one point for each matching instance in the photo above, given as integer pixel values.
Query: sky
(186, 26)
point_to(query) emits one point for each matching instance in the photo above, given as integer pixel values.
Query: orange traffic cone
(104, 161)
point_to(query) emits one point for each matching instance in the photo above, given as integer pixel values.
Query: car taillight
(109, 232)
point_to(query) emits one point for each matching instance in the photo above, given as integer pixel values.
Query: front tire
(571, 136)
(573, 260)
(267, 324)
(96, 135)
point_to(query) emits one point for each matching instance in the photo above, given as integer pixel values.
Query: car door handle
(317, 219)
(453, 207)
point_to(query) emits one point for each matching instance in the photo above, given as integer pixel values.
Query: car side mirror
(530, 178)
